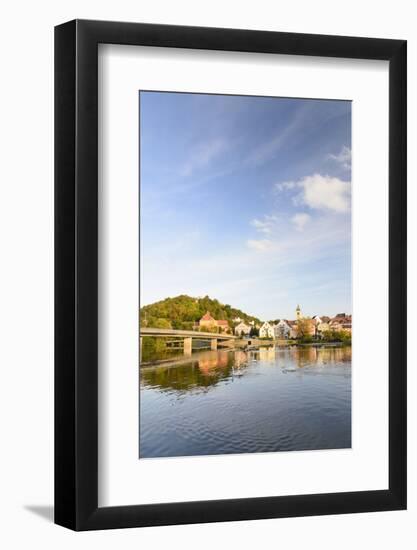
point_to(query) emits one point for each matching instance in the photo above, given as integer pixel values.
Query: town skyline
(246, 199)
(292, 317)
(314, 326)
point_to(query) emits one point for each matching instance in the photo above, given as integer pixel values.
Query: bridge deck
(185, 334)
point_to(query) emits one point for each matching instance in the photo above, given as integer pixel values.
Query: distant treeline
(182, 312)
(331, 336)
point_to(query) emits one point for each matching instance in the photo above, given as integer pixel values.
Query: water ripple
(281, 401)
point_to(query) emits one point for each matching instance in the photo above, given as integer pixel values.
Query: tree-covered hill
(183, 311)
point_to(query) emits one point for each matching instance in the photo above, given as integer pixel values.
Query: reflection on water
(271, 399)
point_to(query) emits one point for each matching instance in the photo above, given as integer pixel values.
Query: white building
(282, 330)
(266, 331)
(322, 324)
(242, 329)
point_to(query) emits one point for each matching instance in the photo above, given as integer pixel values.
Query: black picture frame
(76, 274)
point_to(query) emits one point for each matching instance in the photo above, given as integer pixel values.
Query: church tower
(298, 313)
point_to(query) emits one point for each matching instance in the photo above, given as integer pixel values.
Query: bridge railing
(166, 332)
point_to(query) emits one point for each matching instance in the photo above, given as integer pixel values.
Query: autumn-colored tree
(304, 328)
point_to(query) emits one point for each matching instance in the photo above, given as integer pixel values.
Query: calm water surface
(271, 399)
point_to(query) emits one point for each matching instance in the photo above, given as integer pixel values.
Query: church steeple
(298, 312)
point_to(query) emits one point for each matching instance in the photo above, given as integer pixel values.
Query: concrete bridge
(187, 337)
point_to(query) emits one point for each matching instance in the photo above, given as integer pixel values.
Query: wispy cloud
(344, 158)
(285, 260)
(300, 220)
(265, 225)
(259, 244)
(203, 155)
(269, 148)
(207, 163)
(305, 120)
(285, 185)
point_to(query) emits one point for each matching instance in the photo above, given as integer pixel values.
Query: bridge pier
(176, 338)
(188, 346)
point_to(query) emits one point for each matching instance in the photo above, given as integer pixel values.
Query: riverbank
(198, 354)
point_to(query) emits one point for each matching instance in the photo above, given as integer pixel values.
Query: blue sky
(248, 200)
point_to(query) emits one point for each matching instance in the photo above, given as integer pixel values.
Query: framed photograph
(230, 244)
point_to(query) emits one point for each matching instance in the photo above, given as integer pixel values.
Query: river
(265, 400)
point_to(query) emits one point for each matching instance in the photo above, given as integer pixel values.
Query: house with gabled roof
(341, 322)
(282, 329)
(266, 331)
(242, 329)
(207, 322)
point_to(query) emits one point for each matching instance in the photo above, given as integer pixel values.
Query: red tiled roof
(222, 322)
(207, 317)
(340, 320)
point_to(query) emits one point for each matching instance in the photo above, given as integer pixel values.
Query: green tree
(161, 323)
(183, 311)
